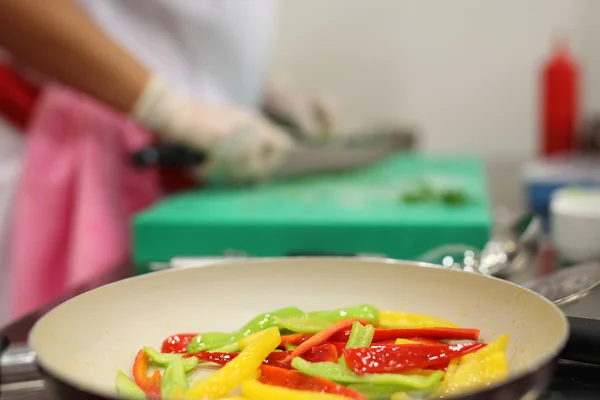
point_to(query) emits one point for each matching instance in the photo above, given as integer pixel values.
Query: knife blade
(338, 153)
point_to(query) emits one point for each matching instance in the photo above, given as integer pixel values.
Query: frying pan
(81, 343)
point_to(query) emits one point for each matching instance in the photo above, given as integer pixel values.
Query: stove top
(572, 380)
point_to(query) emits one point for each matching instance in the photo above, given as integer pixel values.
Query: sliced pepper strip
(322, 353)
(374, 391)
(303, 324)
(338, 373)
(254, 390)
(478, 369)
(149, 384)
(214, 340)
(164, 359)
(127, 388)
(360, 336)
(173, 378)
(298, 381)
(428, 342)
(429, 333)
(177, 343)
(295, 339)
(242, 368)
(394, 319)
(397, 359)
(431, 342)
(365, 312)
(325, 352)
(321, 337)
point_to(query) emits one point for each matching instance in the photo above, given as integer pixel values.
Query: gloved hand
(313, 115)
(241, 145)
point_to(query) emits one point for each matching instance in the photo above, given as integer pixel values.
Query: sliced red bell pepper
(389, 342)
(324, 353)
(149, 384)
(327, 352)
(294, 339)
(397, 359)
(428, 333)
(323, 336)
(293, 379)
(392, 342)
(177, 343)
(340, 346)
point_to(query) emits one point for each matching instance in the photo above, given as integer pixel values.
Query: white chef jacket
(213, 50)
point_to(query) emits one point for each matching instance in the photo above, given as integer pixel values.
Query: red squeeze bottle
(560, 97)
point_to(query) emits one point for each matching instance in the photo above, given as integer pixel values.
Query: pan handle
(584, 341)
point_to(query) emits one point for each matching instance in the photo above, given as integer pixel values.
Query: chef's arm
(57, 39)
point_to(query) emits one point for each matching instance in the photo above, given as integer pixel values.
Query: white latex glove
(314, 115)
(242, 146)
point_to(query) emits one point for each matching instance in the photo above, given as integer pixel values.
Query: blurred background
(470, 117)
(466, 73)
(467, 135)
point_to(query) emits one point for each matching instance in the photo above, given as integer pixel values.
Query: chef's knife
(342, 152)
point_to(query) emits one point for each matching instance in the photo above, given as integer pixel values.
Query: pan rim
(547, 359)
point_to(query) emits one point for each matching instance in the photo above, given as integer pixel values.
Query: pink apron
(76, 197)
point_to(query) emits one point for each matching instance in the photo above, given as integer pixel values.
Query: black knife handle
(174, 155)
(4, 343)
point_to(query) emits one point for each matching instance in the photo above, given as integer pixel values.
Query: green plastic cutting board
(344, 213)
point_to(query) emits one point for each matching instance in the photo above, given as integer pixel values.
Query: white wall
(463, 71)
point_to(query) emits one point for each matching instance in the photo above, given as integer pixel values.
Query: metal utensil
(338, 153)
(511, 249)
(569, 285)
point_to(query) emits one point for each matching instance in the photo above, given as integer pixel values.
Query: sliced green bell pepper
(210, 341)
(127, 388)
(337, 373)
(360, 336)
(267, 320)
(290, 347)
(164, 359)
(377, 392)
(214, 340)
(230, 348)
(303, 325)
(174, 378)
(364, 311)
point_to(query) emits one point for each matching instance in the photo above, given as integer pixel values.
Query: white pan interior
(88, 338)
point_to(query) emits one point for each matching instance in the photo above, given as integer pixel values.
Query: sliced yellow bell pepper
(401, 396)
(419, 371)
(476, 370)
(405, 341)
(243, 343)
(254, 390)
(178, 394)
(240, 369)
(398, 320)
